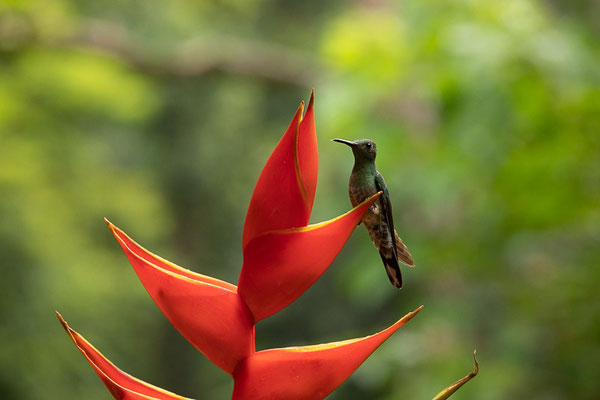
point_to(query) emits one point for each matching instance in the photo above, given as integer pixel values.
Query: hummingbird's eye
(368, 145)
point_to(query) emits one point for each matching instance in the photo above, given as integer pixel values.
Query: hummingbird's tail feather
(393, 270)
(391, 252)
(404, 255)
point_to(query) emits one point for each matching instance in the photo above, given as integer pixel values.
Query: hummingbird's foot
(374, 208)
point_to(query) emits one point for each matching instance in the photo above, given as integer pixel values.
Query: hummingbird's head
(363, 149)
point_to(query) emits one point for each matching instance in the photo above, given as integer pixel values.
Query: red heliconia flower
(283, 257)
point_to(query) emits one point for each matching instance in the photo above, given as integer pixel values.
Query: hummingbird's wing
(389, 261)
(387, 206)
(398, 247)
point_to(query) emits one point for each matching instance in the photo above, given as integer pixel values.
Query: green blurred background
(160, 115)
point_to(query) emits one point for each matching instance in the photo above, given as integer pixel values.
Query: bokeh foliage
(160, 116)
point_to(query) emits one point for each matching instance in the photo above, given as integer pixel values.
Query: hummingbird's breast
(374, 218)
(360, 189)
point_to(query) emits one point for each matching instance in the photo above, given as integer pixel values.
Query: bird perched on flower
(365, 181)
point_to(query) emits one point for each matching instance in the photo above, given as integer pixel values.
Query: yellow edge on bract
(326, 346)
(228, 286)
(296, 159)
(370, 200)
(71, 332)
(303, 191)
(173, 274)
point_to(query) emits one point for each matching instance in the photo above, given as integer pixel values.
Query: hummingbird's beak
(346, 142)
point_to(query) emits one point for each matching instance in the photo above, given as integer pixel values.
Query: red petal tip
(311, 101)
(62, 321)
(110, 225)
(417, 311)
(121, 385)
(299, 111)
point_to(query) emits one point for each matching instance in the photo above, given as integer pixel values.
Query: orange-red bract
(120, 384)
(284, 194)
(283, 257)
(281, 265)
(305, 373)
(210, 315)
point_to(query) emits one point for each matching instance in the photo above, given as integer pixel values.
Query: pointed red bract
(161, 262)
(308, 153)
(120, 384)
(284, 194)
(213, 318)
(281, 265)
(305, 373)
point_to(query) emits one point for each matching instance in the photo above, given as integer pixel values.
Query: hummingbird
(365, 181)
